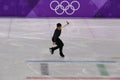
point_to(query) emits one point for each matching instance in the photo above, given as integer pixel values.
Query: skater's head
(59, 26)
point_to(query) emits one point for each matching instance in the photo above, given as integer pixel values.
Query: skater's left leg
(53, 49)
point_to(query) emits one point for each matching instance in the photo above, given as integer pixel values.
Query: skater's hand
(66, 24)
(54, 43)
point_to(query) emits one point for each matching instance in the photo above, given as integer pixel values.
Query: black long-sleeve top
(56, 35)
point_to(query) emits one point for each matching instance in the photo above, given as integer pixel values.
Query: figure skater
(57, 41)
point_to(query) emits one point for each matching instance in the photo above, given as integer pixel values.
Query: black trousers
(59, 46)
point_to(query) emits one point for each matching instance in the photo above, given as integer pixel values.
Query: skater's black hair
(59, 24)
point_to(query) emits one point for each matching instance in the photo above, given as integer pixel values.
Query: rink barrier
(71, 78)
(74, 61)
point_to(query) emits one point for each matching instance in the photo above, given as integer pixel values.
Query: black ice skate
(51, 50)
(62, 55)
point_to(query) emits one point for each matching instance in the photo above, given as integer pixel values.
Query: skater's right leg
(60, 44)
(61, 51)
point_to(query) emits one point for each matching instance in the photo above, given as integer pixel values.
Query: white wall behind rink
(103, 29)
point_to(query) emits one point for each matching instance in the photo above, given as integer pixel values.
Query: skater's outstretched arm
(67, 23)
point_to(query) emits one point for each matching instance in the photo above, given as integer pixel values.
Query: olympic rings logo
(64, 6)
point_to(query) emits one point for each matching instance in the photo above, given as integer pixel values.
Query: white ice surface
(84, 39)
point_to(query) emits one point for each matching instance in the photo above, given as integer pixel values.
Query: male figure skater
(57, 41)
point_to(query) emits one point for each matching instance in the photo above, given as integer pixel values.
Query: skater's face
(59, 28)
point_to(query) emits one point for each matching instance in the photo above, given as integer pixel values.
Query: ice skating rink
(92, 49)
